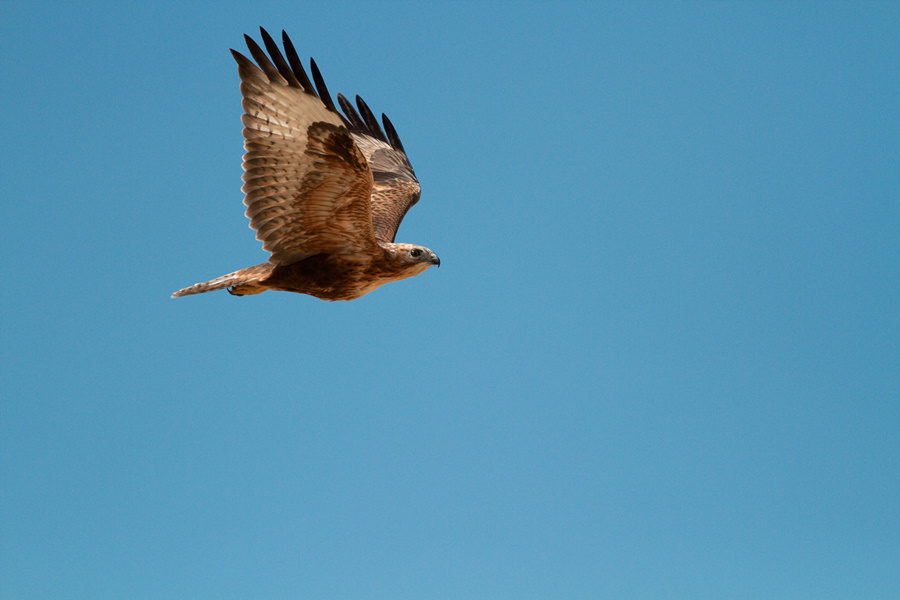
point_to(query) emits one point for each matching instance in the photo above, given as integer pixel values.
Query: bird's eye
(415, 252)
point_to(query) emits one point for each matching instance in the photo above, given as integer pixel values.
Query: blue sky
(659, 360)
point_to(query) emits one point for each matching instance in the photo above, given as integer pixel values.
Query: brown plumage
(324, 191)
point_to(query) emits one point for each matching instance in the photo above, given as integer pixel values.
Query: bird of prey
(324, 191)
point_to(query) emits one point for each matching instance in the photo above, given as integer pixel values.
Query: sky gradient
(660, 358)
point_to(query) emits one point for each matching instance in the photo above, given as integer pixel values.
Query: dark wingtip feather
(261, 59)
(351, 113)
(278, 59)
(371, 122)
(324, 96)
(296, 65)
(393, 138)
(254, 48)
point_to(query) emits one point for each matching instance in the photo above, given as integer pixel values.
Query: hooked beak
(435, 260)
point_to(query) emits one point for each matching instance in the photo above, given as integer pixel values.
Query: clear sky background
(660, 359)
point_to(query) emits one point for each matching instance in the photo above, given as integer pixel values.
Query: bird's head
(413, 259)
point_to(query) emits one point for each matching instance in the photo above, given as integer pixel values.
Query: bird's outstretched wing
(308, 186)
(395, 187)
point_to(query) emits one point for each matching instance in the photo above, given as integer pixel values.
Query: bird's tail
(241, 283)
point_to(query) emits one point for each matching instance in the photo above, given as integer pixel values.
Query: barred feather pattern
(239, 280)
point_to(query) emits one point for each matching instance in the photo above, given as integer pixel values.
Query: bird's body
(325, 276)
(324, 191)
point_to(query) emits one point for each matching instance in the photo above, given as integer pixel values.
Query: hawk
(325, 191)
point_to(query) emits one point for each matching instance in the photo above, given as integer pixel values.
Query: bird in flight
(325, 191)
